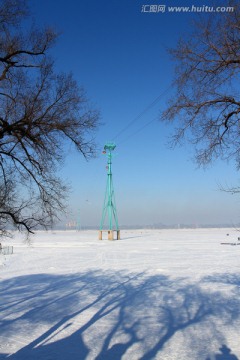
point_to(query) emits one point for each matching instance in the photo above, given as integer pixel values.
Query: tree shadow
(228, 279)
(110, 314)
(225, 354)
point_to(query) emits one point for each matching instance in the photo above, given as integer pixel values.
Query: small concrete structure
(110, 234)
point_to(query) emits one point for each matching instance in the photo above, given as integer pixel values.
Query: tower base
(110, 234)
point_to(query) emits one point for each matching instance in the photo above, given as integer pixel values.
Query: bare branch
(207, 102)
(40, 111)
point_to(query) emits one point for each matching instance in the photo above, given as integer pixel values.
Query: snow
(154, 294)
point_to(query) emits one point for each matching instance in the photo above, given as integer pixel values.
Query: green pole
(110, 189)
(109, 206)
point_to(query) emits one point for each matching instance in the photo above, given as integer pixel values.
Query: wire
(152, 104)
(137, 131)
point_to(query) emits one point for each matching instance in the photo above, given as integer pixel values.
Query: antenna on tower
(109, 206)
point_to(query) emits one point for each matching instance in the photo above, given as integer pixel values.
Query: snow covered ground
(154, 294)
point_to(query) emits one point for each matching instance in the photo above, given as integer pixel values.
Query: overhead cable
(150, 106)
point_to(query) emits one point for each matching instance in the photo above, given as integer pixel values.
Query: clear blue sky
(119, 55)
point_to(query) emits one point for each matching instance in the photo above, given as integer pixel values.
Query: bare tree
(39, 111)
(207, 102)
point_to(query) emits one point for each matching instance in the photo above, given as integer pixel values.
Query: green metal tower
(109, 207)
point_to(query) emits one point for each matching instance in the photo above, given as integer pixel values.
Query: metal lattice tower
(109, 207)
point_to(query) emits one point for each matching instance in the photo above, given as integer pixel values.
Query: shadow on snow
(106, 315)
(224, 354)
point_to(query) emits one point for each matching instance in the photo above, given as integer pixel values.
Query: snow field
(154, 294)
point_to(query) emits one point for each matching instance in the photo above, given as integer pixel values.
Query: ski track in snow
(154, 294)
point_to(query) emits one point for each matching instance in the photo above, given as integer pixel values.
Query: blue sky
(119, 55)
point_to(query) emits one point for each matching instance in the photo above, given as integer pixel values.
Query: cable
(137, 131)
(141, 114)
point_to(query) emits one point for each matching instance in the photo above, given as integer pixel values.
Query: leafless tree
(206, 106)
(39, 111)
